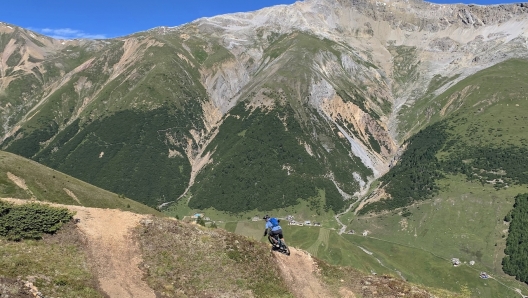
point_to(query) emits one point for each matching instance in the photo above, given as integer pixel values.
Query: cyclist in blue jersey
(273, 229)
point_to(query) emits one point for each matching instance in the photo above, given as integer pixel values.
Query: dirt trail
(300, 272)
(113, 253)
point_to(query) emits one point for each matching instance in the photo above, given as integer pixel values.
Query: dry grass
(186, 260)
(56, 265)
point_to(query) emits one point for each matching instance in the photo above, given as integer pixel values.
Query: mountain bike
(282, 247)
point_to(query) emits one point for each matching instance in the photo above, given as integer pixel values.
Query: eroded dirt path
(300, 272)
(113, 253)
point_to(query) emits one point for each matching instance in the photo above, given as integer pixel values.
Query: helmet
(266, 217)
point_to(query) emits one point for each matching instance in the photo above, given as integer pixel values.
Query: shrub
(30, 221)
(200, 221)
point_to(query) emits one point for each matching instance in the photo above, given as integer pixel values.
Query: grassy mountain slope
(184, 259)
(56, 266)
(276, 130)
(292, 107)
(136, 119)
(112, 124)
(249, 145)
(26, 179)
(376, 256)
(341, 70)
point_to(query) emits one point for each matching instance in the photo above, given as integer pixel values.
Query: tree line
(515, 262)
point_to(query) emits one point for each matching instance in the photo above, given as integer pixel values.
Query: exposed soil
(300, 272)
(13, 288)
(17, 180)
(72, 195)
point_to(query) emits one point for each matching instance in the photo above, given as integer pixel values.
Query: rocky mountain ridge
(449, 39)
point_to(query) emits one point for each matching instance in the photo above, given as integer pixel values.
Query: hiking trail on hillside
(115, 257)
(113, 254)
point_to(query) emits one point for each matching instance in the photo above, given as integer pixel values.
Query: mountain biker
(272, 229)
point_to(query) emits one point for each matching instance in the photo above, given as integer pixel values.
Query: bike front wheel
(284, 248)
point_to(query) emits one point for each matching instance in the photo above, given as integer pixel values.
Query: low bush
(30, 221)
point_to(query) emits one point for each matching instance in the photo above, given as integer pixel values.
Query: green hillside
(127, 153)
(356, 116)
(120, 141)
(57, 265)
(261, 164)
(181, 258)
(515, 262)
(25, 179)
(142, 128)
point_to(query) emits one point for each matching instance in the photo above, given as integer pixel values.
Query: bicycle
(282, 248)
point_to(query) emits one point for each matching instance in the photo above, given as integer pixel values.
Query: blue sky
(113, 18)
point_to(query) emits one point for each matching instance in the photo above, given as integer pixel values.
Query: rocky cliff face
(361, 73)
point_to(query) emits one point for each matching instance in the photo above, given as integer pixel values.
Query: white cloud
(68, 33)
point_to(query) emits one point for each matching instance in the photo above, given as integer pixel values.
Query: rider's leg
(272, 240)
(274, 235)
(280, 236)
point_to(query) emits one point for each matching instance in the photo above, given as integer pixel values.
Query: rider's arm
(268, 226)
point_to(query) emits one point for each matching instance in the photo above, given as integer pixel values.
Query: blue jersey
(269, 225)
